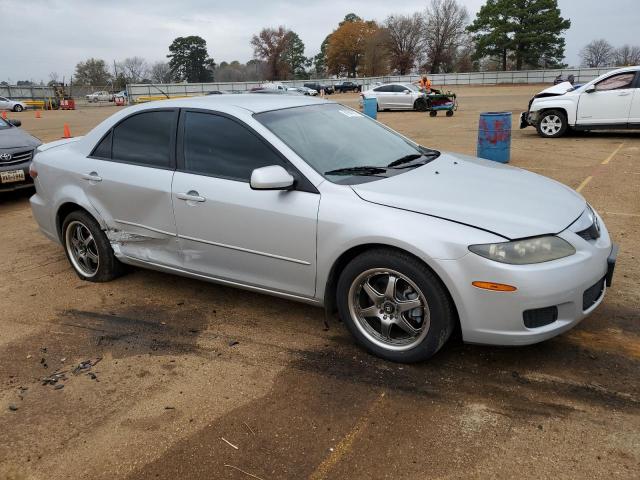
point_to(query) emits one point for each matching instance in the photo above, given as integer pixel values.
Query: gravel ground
(181, 372)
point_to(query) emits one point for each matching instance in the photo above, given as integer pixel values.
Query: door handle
(92, 177)
(191, 196)
(624, 94)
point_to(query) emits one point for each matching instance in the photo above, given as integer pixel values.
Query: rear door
(384, 96)
(634, 112)
(226, 230)
(127, 178)
(610, 103)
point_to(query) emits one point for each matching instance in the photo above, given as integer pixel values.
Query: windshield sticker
(350, 113)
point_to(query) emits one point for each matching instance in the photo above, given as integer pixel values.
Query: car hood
(508, 201)
(559, 89)
(15, 138)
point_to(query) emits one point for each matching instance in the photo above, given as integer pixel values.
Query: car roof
(251, 102)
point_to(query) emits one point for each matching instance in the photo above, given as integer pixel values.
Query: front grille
(18, 157)
(539, 317)
(592, 294)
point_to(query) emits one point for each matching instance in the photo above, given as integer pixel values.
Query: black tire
(440, 307)
(433, 113)
(449, 113)
(552, 124)
(17, 108)
(420, 105)
(108, 266)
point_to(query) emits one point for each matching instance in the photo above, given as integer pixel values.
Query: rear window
(145, 139)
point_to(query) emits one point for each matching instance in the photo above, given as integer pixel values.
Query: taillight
(33, 173)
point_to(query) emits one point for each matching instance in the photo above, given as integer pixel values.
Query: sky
(44, 36)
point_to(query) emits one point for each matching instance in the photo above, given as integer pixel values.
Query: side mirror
(273, 177)
(15, 123)
(407, 92)
(590, 89)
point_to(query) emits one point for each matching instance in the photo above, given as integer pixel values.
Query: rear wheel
(433, 113)
(552, 124)
(394, 306)
(88, 248)
(449, 113)
(18, 108)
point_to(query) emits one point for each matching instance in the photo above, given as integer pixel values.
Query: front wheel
(394, 306)
(420, 105)
(552, 124)
(88, 249)
(18, 108)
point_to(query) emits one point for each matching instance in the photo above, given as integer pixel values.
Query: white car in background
(397, 96)
(611, 101)
(101, 96)
(13, 105)
(304, 90)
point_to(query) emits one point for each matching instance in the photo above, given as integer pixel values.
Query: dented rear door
(128, 181)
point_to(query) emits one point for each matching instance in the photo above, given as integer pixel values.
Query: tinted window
(218, 146)
(384, 88)
(399, 88)
(145, 139)
(616, 82)
(103, 150)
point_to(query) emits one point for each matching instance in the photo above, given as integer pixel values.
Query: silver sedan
(312, 201)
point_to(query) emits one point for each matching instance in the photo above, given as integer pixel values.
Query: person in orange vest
(425, 84)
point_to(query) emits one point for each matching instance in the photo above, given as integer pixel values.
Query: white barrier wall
(581, 75)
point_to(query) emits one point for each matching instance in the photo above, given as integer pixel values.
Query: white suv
(397, 96)
(611, 101)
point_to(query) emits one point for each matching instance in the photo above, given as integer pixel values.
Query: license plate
(12, 176)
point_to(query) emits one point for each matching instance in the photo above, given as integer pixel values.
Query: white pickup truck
(611, 101)
(101, 96)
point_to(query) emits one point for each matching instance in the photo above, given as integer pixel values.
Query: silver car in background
(397, 96)
(312, 201)
(13, 105)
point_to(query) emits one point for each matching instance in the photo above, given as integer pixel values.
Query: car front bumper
(528, 119)
(572, 287)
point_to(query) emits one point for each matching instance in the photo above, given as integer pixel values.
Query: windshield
(332, 138)
(4, 124)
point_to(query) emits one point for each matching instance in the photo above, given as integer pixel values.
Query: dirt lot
(297, 401)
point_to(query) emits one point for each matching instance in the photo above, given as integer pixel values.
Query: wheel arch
(65, 209)
(329, 299)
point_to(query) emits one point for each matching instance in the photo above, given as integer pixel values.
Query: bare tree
(405, 34)
(160, 72)
(133, 69)
(598, 53)
(627, 55)
(446, 22)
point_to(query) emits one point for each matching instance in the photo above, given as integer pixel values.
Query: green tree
(92, 71)
(526, 31)
(320, 60)
(189, 59)
(293, 55)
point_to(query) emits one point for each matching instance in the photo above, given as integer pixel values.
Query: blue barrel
(494, 136)
(370, 107)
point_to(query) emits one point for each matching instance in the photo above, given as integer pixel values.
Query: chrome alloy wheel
(82, 248)
(551, 125)
(389, 309)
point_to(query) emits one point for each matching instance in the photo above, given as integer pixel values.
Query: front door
(127, 179)
(226, 230)
(610, 103)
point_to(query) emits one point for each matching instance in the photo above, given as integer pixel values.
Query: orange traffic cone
(37, 113)
(67, 131)
(4, 115)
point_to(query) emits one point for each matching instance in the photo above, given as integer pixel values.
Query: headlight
(523, 252)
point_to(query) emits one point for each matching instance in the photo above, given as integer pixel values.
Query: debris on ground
(169, 408)
(240, 470)
(233, 343)
(87, 364)
(13, 407)
(60, 386)
(54, 378)
(228, 443)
